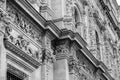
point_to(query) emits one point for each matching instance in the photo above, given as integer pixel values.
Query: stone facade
(59, 40)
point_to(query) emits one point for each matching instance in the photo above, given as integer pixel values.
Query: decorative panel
(21, 45)
(24, 23)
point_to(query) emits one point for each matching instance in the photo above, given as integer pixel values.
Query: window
(97, 40)
(76, 15)
(15, 74)
(11, 76)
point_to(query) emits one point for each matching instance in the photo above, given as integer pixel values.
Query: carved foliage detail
(47, 56)
(69, 4)
(23, 23)
(62, 49)
(22, 43)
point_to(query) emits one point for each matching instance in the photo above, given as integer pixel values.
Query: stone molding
(13, 58)
(15, 71)
(21, 54)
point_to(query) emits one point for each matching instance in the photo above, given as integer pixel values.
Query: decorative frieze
(81, 69)
(14, 39)
(24, 23)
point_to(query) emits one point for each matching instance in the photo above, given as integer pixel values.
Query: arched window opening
(98, 46)
(76, 16)
(97, 41)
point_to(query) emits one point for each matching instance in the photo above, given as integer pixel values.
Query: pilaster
(36, 75)
(61, 68)
(48, 58)
(3, 60)
(3, 63)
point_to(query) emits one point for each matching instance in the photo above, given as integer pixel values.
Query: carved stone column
(47, 66)
(36, 75)
(47, 58)
(3, 63)
(61, 70)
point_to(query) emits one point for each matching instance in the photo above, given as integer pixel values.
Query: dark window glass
(11, 76)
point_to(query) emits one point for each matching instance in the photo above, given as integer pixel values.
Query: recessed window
(11, 76)
(76, 16)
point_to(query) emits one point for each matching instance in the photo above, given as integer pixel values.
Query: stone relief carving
(47, 56)
(23, 23)
(3, 17)
(75, 68)
(61, 49)
(86, 68)
(22, 43)
(72, 64)
(69, 4)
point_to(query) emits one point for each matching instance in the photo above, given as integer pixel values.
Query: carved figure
(47, 55)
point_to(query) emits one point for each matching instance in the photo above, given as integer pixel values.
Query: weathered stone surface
(29, 41)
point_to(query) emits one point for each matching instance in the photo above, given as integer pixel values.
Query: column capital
(62, 52)
(47, 56)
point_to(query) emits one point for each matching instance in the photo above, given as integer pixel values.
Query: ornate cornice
(38, 18)
(73, 37)
(22, 63)
(21, 54)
